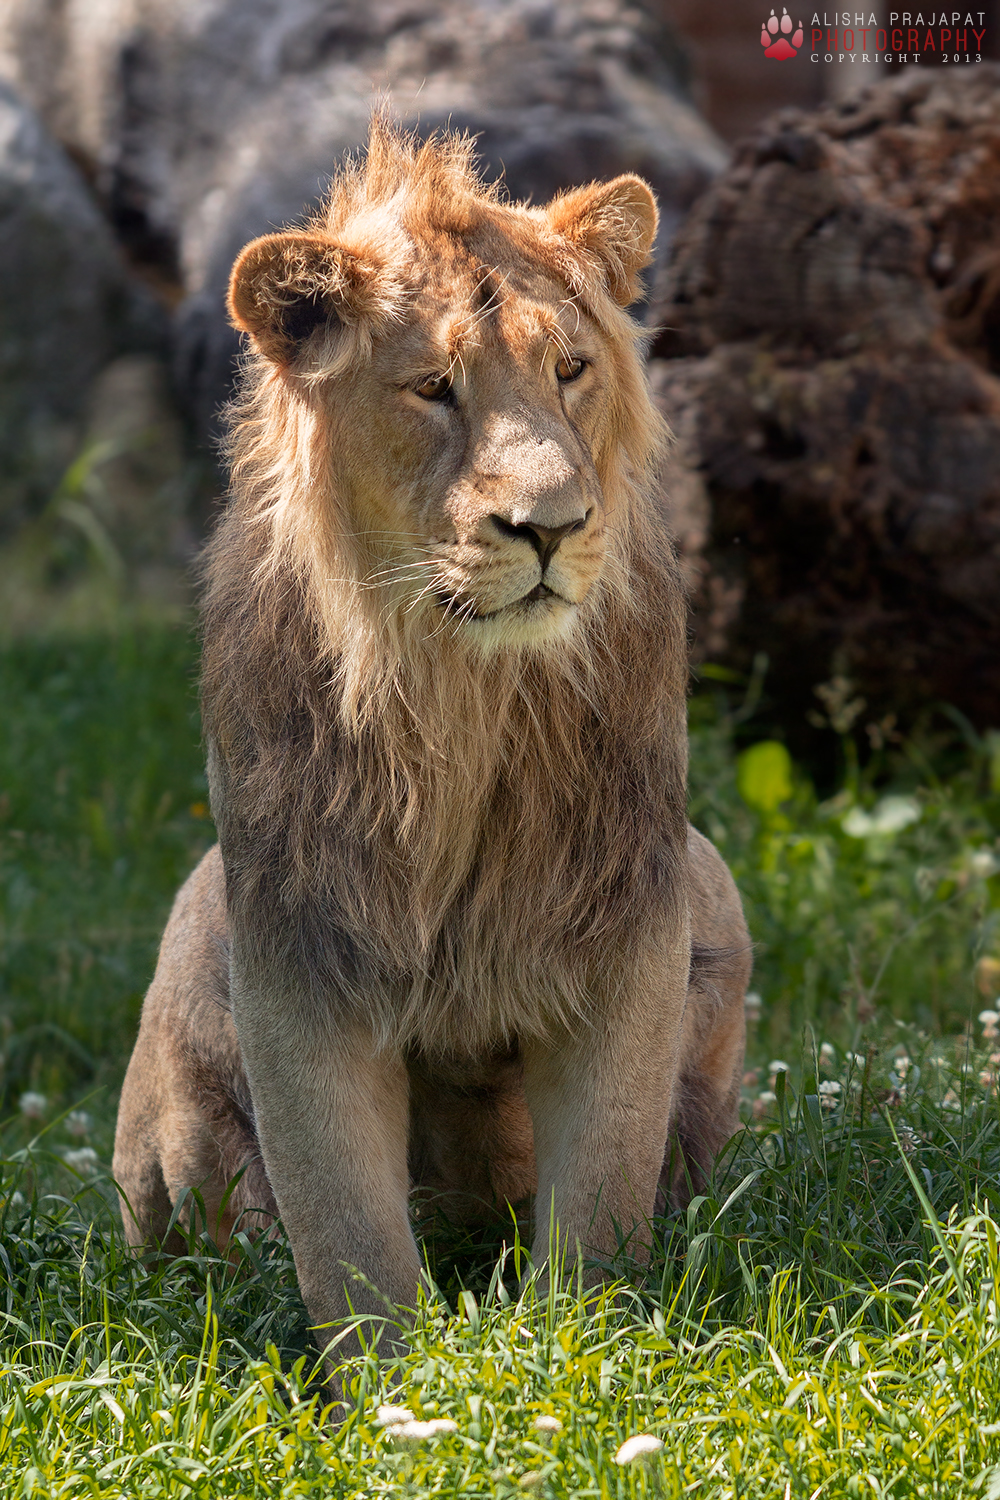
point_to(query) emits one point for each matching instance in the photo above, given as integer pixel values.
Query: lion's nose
(544, 539)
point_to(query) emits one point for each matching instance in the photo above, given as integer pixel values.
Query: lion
(456, 934)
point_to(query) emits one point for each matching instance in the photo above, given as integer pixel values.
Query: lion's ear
(285, 286)
(616, 222)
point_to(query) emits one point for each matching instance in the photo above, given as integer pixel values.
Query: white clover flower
(409, 1434)
(763, 1103)
(902, 1064)
(752, 1005)
(827, 1056)
(989, 1020)
(908, 1139)
(547, 1424)
(33, 1106)
(778, 1066)
(828, 1091)
(639, 1446)
(392, 1416)
(857, 1058)
(83, 1160)
(982, 864)
(889, 815)
(78, 1123)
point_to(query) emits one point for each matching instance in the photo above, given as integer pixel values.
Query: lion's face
(475, 470)
(462, 435)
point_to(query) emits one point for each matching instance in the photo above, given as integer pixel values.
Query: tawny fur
(444, 698)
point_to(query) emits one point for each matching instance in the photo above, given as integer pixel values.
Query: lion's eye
(434, 388)
(570, 369)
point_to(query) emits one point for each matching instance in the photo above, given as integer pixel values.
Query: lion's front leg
(600, 1103)
(331, 1116)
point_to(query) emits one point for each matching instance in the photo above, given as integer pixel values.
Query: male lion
(457, 933)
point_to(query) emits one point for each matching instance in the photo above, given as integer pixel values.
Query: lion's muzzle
(544, 539)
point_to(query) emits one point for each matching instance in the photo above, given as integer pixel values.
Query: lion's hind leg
(138, 1167)
(185, 1122)
(705, 1112)
(211, 1157)
(186, 1142)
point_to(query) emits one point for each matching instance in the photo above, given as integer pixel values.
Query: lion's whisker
(377, 531)
(474, 318)
(427, 589)
(572, 302)
(561, 342)
(400, 568)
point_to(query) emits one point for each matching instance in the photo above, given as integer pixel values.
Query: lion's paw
(780, 47)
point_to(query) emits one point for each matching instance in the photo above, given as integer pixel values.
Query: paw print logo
(778, 46)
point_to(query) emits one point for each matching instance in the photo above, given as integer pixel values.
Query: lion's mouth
(464, 609)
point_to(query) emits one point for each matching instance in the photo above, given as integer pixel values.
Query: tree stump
(829, 357)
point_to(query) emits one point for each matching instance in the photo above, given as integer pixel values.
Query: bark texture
(830, 360)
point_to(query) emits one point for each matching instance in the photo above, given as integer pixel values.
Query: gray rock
(67, 308)
(140, 480)
(210, 121)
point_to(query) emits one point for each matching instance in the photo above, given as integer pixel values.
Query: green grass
(118, 1379)
(102, 814)
(845, 924)
(823, 1322)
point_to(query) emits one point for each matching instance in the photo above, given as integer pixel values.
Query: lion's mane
(477, 834)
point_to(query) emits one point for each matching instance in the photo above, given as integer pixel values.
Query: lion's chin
(538, 619)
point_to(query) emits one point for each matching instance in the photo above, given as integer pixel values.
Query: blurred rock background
(824, 280)
(199, 126)
(69, 307)
(829, 358)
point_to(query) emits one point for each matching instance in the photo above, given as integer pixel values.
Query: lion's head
(449, 414)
